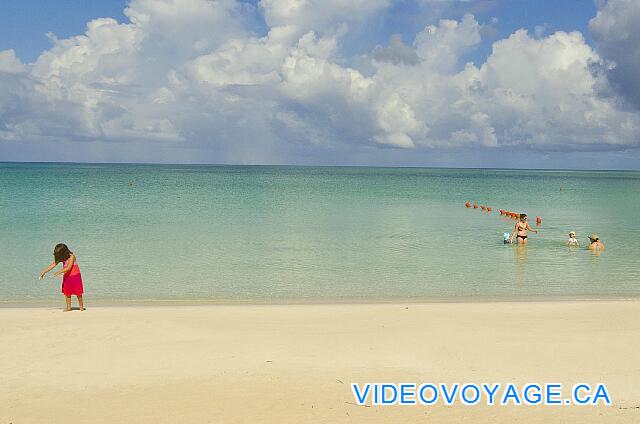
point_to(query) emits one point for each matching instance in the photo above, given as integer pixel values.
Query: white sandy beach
(295, 363)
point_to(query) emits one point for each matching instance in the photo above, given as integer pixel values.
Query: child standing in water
(71, 278)
(572, 241)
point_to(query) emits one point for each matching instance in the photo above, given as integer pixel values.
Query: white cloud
(536, 93)
(617, 33)
(9, 63)
(440, 47)
(192, 75)
(318, 15)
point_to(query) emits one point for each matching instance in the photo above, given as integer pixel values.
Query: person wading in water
(520, 230)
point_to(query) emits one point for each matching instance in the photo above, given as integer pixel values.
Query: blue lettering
(601, 392)
(576, 396)
(407, 397)
(449, 397)
(424, 400)
(532, 398)
(463, 394)
(490, 393)
(360, 398)
(511, 393)
(385, 388)
(554, 394)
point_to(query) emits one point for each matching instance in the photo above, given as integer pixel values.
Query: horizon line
(313, 166)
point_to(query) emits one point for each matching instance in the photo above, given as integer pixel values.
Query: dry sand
(295, 363)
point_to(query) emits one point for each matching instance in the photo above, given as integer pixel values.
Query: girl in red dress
(71, 278)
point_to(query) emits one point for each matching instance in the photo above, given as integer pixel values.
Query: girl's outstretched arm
(67, 268)
(47, 269)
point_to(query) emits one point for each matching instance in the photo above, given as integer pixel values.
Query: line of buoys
(484, 208)
(512, 215)
(503, 212)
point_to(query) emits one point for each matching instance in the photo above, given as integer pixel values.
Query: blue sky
(24, 24)
(377, 82)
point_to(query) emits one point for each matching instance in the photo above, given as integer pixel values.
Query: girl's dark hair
(61, 252)
(523, 215)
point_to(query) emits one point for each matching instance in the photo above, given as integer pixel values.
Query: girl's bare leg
(68, 299)
(80, 302)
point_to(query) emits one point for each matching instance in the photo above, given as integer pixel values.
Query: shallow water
(315, 233)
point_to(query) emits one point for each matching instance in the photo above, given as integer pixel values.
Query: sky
(492, 83)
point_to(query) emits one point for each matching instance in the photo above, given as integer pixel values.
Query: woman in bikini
(520, 230)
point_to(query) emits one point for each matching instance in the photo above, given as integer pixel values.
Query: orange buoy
(538, 220)
(488, 209)
(475, 206)
(468, 204)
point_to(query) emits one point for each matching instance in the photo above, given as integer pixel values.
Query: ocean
(315, 234)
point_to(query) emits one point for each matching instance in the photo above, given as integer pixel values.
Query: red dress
(72, 281)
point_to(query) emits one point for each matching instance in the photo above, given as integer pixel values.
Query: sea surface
(285, 233)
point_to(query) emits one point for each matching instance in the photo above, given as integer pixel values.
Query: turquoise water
(263, 233)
